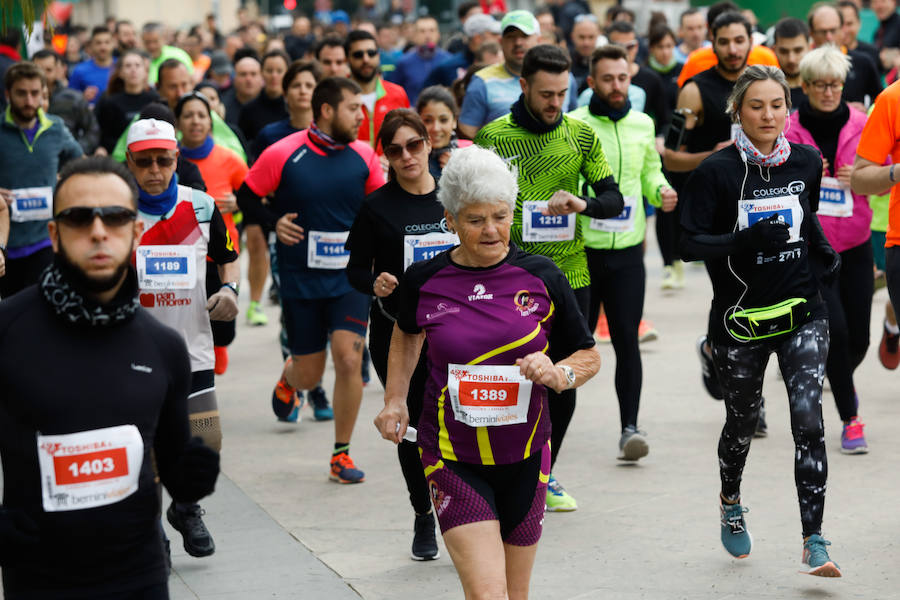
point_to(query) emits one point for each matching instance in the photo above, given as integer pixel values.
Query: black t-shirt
(259, 112)
(716, 125)
(114, 114)
(862, 79)
(61, 378)
(711, 199)
(389, 218)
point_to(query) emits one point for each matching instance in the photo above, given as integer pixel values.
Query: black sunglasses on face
(357, 54)
(395, 151)
(146, 163)
(83, 216)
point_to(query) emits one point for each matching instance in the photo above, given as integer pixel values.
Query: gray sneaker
(633, 444)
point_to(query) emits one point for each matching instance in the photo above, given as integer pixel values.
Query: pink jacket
(843, 232)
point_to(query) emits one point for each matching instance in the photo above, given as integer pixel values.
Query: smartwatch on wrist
(233, 286)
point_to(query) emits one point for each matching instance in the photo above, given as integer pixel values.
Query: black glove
(832, 261)
(765, 234)
(18, 536)
(194, 473)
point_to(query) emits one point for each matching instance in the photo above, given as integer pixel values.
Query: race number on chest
(488, 395)
(166, 267)
(90, 468)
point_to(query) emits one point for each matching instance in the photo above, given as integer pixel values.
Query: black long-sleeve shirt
(62, 378)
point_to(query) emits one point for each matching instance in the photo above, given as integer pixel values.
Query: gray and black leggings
(801, 356)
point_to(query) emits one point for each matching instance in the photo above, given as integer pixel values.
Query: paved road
(646, 531)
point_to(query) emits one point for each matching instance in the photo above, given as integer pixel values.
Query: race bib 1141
(89, 468)
(325, 250)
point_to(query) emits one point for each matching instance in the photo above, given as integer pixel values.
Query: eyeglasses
(395, 151)
(628, 45)
(83, 216)
(358, 54)
(821, 86)
(147, 162)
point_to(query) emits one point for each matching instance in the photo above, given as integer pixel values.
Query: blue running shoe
(735, 537)
(815, 558)
(321, 409)
(294, 417)
(344, 471)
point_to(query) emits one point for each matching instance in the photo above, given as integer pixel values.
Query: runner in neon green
(551, 152)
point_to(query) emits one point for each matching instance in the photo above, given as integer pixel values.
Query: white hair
(476, 175)
(826, 62)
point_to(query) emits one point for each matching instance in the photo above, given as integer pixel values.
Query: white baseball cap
(149, 134)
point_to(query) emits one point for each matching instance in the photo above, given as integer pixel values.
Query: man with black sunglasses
(379, 97)
(86, 461)
(182, 227)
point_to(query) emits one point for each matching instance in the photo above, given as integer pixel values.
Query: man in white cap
(182, 227)
(493, 89)
(478, 29)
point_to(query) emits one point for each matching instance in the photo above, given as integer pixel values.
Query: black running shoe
(188, 520)
(424, 546)
(710, 377)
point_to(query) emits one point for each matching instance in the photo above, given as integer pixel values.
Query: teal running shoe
(815, 558)
(322, 411)
(735, 537)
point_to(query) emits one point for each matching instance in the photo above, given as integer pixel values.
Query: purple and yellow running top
(487, 316)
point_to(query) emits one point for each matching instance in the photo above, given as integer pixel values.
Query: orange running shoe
(646, 331)
(343, 470)
(601, 333)
(221, 360)
(284, 398)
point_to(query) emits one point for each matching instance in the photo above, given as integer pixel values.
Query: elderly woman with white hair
(826, 122)
(490, 314)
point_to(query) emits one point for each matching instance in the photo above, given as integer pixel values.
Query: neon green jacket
(630, 148)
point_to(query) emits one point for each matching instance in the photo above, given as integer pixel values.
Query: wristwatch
(569, 372)
(233, 286)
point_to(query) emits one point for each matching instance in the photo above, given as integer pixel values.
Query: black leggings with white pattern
(801, 356)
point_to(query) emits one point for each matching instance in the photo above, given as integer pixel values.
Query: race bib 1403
(90, 468)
